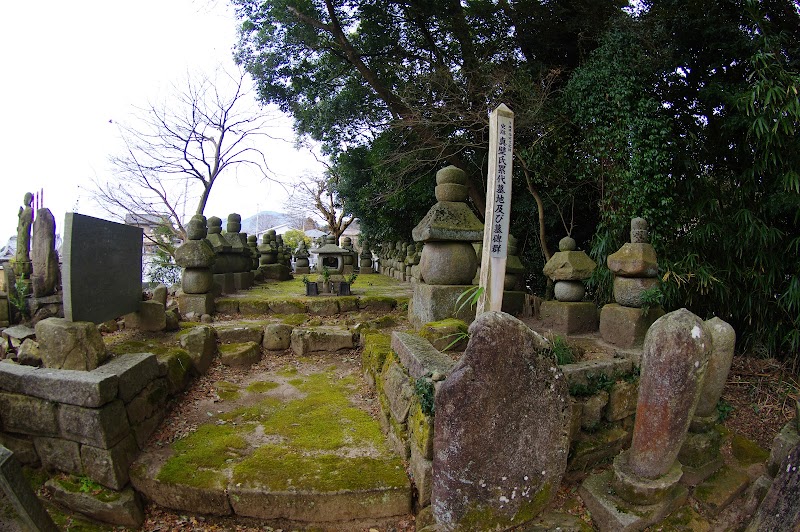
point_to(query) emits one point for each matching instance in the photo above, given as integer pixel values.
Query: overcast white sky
(70, 67)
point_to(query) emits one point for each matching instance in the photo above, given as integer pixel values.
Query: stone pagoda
(568, 268)
(448, 262)
(635, 270)
(196, 258)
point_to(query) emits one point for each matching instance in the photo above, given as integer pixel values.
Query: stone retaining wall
(405, 371)
(90, 423)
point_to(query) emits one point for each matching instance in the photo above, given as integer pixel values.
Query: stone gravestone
(44, 256)
(780, 509)
(22, 497)
(501, 433)
(102, 269)
(643, 486)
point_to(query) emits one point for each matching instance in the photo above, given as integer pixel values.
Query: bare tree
(175, 150)
(317, 194)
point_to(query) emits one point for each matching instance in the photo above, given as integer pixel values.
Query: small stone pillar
(513, 290)
(700, 453)
(269, 265)
(568, 268)
(365, 261)
(252, 243)
(23, 266)
(221, 268)
(348, 262)
(45, 274)
(643, 486)
(241, 260)
(448, 262)
(196, 257)
(635, 269)
(301, 265)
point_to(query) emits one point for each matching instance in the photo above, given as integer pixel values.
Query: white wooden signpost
(498, 209)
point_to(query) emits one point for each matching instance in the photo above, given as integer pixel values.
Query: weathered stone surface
(782, 445)
(277, 337)
(134, 371)
(626, 326)
(232, 334)
(59, 455)
(505, 387)
(628, 290)
(101, 427)
(197, 281)
(594, 448)
(592, 412)
(613, 514)
(634, 260)
(320, 339)
(569, 266)
(622, 400)
(100, 290)
(66, 344)
(675, 358)
(150, 317)
(322, 508)
(719, 364)
(377, 304)
(448, 221)
(28, 353)
(422, 472)
(278, 272)
(43, 254)
(323, 307)
(448, 263)
(451, 192)
(580, 373)
(568, 317)
(194, 254)
(28, 415)
(569, 291)
(173, 320)
(436, 303)
(287, 307)
(697, 451)
(242, 354)
(397, 387)
(160, 293)
(19, 332)
(253, 307)
(779, 509)
(147, 402)
(200, 342)
(718, 491)
(198, 304)
(23, 499)
(122, 509)
(446, 335)
(23, 449)
(419, 357)
(109, 467)
(143, 472)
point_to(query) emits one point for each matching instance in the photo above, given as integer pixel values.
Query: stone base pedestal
(198, 303)
(612, 513)
(225, 282)
(243, 280)
(700, 456)
(277, 272)
(569, 318)
(366, 270)
(626, 326)
(347, 269)
(302, 270)
(513, 302)
(151, 317)
(432, 302)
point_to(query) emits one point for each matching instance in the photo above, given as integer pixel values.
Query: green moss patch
(292, 319)
(86, 485)
(262, 386)
(376, 347)
(277, 469)
(747, 451)
(227, 391)
(200, 457)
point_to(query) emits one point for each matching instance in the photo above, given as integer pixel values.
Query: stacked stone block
(221, 267)
(196, 257)
(635, 269)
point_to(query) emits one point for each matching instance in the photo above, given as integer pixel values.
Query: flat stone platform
(294, 446)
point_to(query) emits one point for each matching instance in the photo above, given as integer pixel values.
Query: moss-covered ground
(298, 427)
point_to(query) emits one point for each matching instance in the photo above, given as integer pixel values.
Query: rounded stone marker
(570, 291)
(451, 174)
(674, 360)
(451, 192)
(719, 364)
(450, 263)
(567, 244)
(196, 228)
